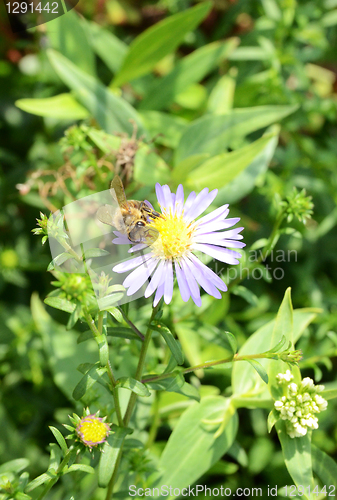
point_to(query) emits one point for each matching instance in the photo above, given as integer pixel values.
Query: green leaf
(109, 455)
(113, 113)
(60, 439)
(69, 36)
(246, 294)
(174, 383)
(39, 480)
(192, 449)
(103, 349)
(213, 134)
(245, 182)
(325, 468)
(164, 128)
(122, 332)
(273, 417)
(87, 381)
(260, 369)
(82, 468)
(245, 381)
(249, 54)
(133, 385)
(171, 342)
(59, 260)
(191, 69)
(95, 252)
(106, 45)
(62, 304)
(283, 329)
(107, 143)
(221, 98)
(16, 465)
(223, 168)
(297, 457)
(62, 106)
(231, 341)
(182, 169)
(157, 41)
(150, 167)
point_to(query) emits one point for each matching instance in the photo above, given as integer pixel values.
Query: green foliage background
(236, 95)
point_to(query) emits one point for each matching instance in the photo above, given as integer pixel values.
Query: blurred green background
(278, 52)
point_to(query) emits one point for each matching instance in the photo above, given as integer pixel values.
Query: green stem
(114, 476)
(131, 325)
(133, 397)
(140, 367)
(155, 422)
(209, 364)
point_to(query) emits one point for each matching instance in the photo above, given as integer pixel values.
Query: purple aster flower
(180, 235)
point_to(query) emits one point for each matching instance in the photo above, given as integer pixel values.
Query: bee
(131, 217)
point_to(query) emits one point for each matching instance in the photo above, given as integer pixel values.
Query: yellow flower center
(92, 431)
(175, 236)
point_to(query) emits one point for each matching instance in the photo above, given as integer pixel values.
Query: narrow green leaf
(39, 480)
(62, 106)
(59, 260)
(95, 252)
(223, 168)
(109, 455)
(157, 41)
(58, 303)
(191, 69)
(246, 294)
(16, 465)
(273, 417)
(170, 384)
(150, 167)
(297, 457)
(164, 128)
(74, 317)
(260, 370)
(183, 168)
(82, 468)
(232, 341)
(84, 336)
(103, 348)
(107, 143)
(87, 381)
(213, 134)
(113, 113)
(60, 439)
(221, 98)
(106, 45)
(325, 468)
(122, 332)
(70, 37)
(171, 342)
(133, 385)
(329, 394)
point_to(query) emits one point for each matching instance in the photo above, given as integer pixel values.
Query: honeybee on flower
(180, 235)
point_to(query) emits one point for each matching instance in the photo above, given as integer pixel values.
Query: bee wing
(117, 191)
(106, 214)
(151, 235)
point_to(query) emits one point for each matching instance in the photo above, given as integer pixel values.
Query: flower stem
(209, 364)
(140, 367)
(131, 325)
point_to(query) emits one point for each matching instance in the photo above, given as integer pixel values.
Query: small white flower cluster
(300, 404)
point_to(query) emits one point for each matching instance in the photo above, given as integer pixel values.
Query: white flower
(300, 405)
